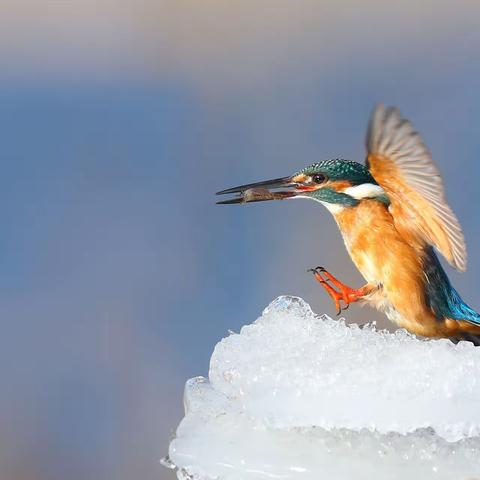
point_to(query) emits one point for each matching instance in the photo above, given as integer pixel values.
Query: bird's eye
(318, 178)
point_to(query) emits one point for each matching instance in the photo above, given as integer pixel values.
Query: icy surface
(295, 395)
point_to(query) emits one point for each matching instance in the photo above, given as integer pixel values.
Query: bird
(393, 216)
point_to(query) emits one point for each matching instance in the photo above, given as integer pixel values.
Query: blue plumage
(444, 300)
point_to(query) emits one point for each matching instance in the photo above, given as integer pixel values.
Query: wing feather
(401, 163)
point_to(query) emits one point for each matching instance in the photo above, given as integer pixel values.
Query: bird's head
(337, 184)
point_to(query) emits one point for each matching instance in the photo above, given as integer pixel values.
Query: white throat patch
(332, 207)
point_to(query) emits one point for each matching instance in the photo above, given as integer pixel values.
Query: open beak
(262, 191)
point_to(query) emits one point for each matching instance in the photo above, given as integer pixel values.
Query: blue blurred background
(118, 122)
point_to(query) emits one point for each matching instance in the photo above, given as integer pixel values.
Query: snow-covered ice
(296, 395)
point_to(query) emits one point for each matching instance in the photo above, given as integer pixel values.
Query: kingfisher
(393, 216)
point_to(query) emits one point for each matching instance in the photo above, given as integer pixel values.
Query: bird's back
(444, 300)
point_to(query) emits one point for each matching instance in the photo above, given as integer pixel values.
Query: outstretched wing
(401, 163)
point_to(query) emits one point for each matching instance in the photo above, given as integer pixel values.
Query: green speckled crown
(339, 169)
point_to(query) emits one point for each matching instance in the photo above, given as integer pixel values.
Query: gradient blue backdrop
(118, 122)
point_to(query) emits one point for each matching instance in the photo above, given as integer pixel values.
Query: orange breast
(387, 258)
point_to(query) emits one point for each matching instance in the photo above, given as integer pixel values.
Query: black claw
(321, 269)
(314, 271)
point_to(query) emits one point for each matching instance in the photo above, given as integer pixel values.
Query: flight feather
(401, 163)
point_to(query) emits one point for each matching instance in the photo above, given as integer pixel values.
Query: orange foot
(344, 293)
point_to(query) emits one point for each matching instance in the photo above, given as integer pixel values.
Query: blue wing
(444, 300)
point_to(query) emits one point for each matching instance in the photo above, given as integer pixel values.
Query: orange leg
(344, 293)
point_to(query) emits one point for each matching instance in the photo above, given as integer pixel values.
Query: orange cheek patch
(340, 185)
(308, 188)
(300, 178)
